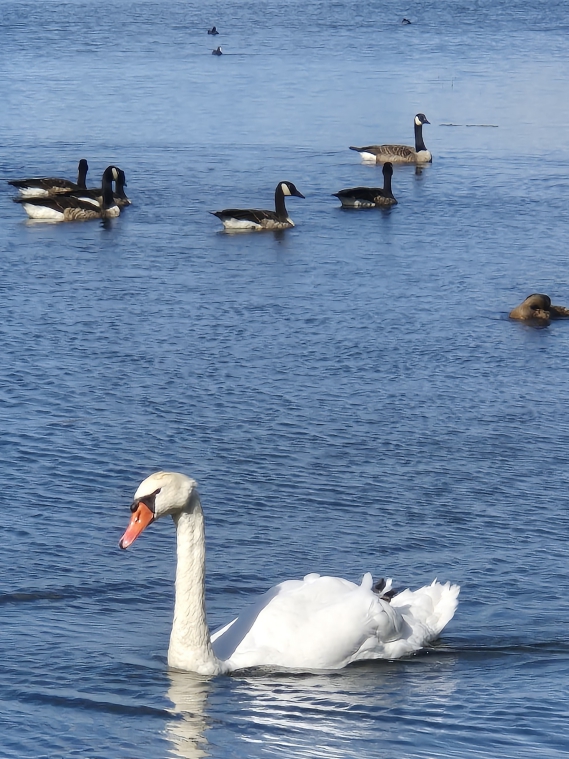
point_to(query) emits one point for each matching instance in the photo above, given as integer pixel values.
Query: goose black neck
(280, 207)
(119, 187)
(419, 144)
(82, 175)
(107, 188)
(387, 192)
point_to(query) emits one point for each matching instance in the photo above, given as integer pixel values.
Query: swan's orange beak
(140, 519)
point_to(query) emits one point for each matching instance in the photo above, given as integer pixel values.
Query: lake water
(350, 394)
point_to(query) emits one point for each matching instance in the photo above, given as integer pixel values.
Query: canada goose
(249, 218)
(71, 208)
(369, 197)
(95, 194)
(213, 30)
(537, 308)
(40, 187)
(217, 51)
(400, 153)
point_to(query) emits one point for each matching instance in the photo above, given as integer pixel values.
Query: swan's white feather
(329, 622)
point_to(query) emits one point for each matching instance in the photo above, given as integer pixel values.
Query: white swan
(314, 623)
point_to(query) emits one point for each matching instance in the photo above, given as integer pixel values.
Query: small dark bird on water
(213, 30)
(217, 51)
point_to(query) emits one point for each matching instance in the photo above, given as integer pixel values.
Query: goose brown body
(370, 197)
(42, 186)
(258, 219)
(71, 208)
(400, 153)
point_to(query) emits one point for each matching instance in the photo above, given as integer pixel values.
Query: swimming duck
(95, 194)
(400, 153)
(369, 197)
(249, 218)
(213, 30)
(39, 187)
(405, 21)
(217, 51)
(315, 623)
(537, 308)
(70, 208)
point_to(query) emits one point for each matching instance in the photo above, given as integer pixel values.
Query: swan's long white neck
(190, 644)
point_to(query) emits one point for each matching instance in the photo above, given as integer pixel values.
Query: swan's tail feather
(445, 601)
(429, 609)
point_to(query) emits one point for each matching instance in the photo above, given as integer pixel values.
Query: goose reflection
(301, 713)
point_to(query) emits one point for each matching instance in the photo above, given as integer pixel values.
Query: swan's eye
(147, 500)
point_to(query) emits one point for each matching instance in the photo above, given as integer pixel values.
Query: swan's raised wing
(317, 623)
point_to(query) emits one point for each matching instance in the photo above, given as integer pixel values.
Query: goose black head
(420, 118)
(289, 189)
(112, 173)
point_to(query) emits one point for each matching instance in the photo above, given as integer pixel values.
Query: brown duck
(537, 308)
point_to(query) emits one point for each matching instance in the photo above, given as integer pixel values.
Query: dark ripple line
(555, 647)
(83, 702)
(64, 593)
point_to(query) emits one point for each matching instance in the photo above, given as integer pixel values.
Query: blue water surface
(350, 394)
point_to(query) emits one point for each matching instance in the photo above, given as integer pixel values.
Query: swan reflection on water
(300, 712)
(188, 693)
